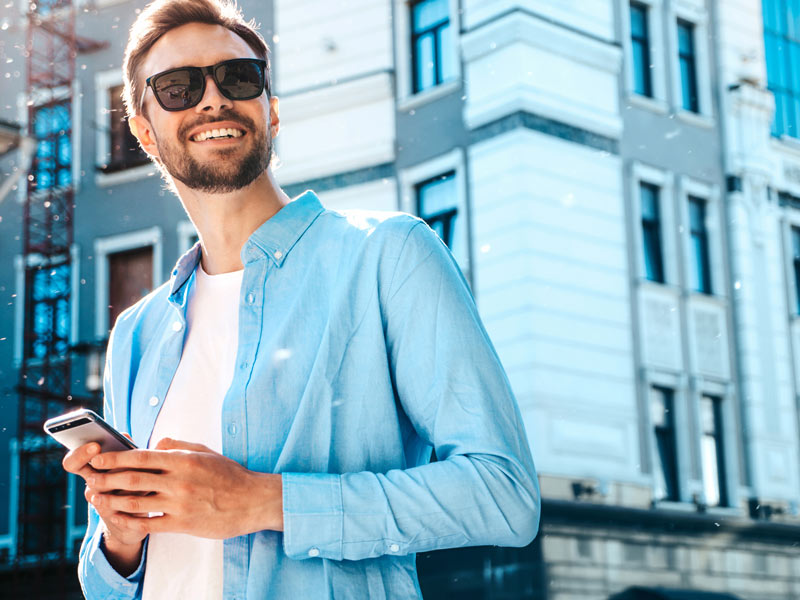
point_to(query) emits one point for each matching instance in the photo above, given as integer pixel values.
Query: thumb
(168, 443)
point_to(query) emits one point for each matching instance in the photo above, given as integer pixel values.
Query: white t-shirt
(180, 565)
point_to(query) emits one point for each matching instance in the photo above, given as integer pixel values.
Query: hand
(200, 492)
(77, 462)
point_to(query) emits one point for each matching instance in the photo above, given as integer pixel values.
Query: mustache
(227, 115)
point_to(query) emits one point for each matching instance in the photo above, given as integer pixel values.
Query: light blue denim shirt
(360, 349)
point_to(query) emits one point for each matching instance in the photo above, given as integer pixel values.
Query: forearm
(125, 558)
(461, 501)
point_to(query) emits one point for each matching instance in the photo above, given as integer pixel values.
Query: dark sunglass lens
(179, 89)
(240, 80)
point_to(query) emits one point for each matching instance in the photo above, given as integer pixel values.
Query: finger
(77, 459)
(132, 459)
(145, 524)
(129, 504)
(132, 481)
(169, 444)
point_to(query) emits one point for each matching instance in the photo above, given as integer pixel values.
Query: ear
(274, 118)
(143, 131)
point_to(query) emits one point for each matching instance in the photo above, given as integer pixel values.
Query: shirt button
(245, 364)
(313, 552)
(278, 254)
(153, 400)
(251, 298)
(394, 547)
(177, 326)
(232, 428)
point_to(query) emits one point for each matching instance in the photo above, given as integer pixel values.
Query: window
(431, 48)
(125, 149)
(437, 204)
(796, 265)
(50, 311)
(712, 451)
(52, 163)
(688, 66)
(651, 232)
(130, 277)
(640, 44)
(782, 47)
(666, 459)
(701, 264)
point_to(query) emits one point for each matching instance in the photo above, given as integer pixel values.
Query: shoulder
(388, 230)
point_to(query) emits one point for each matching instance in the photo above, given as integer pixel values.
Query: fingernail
(93, 449)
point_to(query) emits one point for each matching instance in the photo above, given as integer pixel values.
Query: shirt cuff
(313, 519)
(97, 561)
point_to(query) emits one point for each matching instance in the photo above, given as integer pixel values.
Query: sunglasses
(184, 87)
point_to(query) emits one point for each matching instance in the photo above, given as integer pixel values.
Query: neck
(224, 222)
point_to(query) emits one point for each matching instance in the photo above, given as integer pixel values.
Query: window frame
(410, 177)
(705, 284)
(654, 227)
(658, 101)
(646, 42)
(103, 83)
(710, 194)
(105, 246)
(407, 99)
(692, 94)
(452, 212)
(19, 307)
(718, 417)
(39, 97)
(640, 172)
(698, 17)
(670, 393)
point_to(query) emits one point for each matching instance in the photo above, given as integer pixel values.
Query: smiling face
(220, 145)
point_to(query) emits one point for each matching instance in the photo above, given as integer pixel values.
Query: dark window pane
(429, 13)
(130, 278)
(688, 67)
(425, 67)
(438, 205)
(700, 259)
(640, 45)
(433, 60)
(651, 233)
(666, 464)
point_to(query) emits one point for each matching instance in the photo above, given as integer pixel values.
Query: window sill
(788, 142)
(674, 505)
(429, 95)
(125, 176)
(726, 511)
(652, 104)
(696, 119)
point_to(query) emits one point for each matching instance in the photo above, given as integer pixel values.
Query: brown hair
(161, 16)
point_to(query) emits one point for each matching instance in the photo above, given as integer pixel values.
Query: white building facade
(615, 185)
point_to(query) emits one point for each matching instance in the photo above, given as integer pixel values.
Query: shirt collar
(275, 238)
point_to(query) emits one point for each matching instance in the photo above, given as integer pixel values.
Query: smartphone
(82, 426)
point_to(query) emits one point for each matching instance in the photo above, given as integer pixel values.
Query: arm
(451, 384)
(106, 567)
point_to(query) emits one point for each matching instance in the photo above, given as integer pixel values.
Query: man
(287, 384)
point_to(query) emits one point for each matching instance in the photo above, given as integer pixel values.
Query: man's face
(214, 166)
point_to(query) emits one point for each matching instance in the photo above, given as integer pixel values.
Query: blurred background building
(620, 183)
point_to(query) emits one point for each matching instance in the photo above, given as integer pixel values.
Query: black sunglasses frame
(204, 72)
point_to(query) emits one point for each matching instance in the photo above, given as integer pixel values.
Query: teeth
(218, 133)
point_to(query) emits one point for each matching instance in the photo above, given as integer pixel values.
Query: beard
(225, 173)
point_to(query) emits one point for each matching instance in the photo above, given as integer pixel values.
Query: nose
(213, 100)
